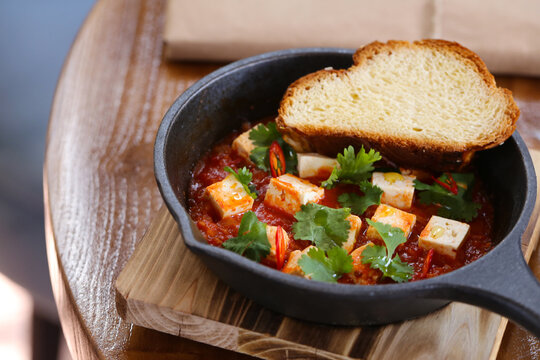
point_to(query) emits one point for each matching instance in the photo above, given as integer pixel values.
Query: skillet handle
(504, 285)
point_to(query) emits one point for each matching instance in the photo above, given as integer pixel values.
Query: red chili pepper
(276, 159)
(450, 184)
(280, 248)
(427, 263)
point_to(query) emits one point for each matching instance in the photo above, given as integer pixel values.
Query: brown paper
(232, 29)
(505, 34)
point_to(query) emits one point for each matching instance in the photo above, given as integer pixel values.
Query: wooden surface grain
(99, 189)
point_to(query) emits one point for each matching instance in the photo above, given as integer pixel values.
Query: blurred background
(35, 38)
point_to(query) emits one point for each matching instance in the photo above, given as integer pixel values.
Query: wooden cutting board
(167, 288)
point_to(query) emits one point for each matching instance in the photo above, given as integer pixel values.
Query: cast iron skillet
(251, 89)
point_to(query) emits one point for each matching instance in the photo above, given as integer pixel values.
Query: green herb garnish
(326, 267)
(352, 169)
(453, 206)
(380, 257)
(244, 176)
(324, 226)
(262, 137)
(359, 204)
(251, 241)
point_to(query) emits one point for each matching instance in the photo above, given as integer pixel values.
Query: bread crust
(406, 152)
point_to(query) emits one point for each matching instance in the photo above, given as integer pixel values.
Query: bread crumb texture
(430, 93)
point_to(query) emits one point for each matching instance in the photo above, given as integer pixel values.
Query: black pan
(251, 89)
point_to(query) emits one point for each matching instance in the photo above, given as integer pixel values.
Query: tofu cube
(362, 273)
(288, 193)
(388, 215)
(398, 189)
(243, 145)
(443, 235)
(271, 235)
(292, 267)
(229, 197)
(356, 224)
(315, 165)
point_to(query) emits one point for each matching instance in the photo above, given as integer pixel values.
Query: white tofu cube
(398, 189)
(388, 215)
(271, 235)
(243, 145)
(288, 193)
(356, 224)
(292, 267)
(315, 165)
(229, 197)
(443, 235)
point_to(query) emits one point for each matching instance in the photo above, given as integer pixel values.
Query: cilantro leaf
(244, 176)
(328, 268)
(340, 260)
(359, 204)
(392, 236)
(259, 156)
(262, 137)
(332, 179)
(469, 210)
(251, 241)
(352, 169)
(396, 269)
(373, 254)
(324, 226)
(454, 206)
(399, 270)
(380, 258)
(316, 265)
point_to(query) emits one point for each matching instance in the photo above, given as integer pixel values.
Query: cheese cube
(229, 197)
(388, 215)
(288, 192)
(292, 267)
(243, 145)
(271, 235)
(398, 189)
(356, 224)
(445, 236)
(362, 273)
(315, 165)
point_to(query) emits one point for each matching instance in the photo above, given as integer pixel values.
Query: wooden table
(99, 189)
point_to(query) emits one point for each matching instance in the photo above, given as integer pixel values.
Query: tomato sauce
(210, 170)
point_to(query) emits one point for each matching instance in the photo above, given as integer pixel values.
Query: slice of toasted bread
(429, 104)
